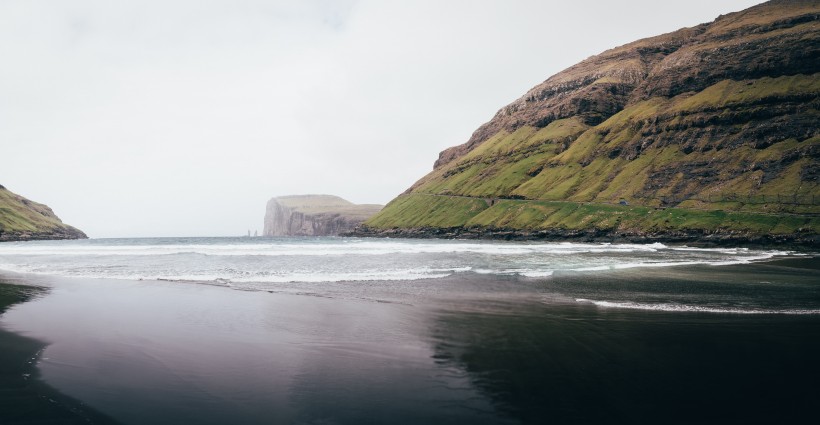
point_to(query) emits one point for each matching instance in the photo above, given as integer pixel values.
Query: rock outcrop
(314, 215)
(23, 220)
(718, 121)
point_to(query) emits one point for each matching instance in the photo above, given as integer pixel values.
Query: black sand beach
(24, 398)
(480, 349)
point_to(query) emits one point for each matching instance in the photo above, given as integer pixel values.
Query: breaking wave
(689, 308)
(276, 261)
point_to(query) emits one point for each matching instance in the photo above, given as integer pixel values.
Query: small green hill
(706, 132)
(22, 219)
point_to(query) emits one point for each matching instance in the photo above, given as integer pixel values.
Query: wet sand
(169, 353)
(481, 349)
(25, 399)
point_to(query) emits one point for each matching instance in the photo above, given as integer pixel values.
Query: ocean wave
(537, 273)
(228, 278)
(689, 308)
(333, 260)
(335, 271)
(324, 249)
(655, 264)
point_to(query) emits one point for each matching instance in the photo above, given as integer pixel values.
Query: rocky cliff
(314, 215)
(22, 219)
(706, 130)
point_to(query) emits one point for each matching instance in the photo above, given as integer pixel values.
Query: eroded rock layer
(314, 215)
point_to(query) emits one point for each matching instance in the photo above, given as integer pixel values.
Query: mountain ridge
(634, 61)
(720, 118)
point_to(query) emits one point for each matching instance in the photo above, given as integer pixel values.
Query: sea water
(318, 264)
(387, 331)
(265, 263)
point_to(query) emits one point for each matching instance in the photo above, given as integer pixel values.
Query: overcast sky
(182, 118)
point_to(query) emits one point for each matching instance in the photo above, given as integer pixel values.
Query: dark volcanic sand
(475, 349)
(24, 399)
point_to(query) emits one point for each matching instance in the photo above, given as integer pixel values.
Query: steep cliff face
(22, 219)
(717, 121)
(773, 39)
(314, 215)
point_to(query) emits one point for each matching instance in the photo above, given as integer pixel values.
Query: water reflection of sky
(488, 349)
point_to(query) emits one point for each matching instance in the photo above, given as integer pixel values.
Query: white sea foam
(289, 276)
(688, 308)
(592, 268)
(537, 273)
(699, 249)
(358, 247)
(654, 264)
(338, 259)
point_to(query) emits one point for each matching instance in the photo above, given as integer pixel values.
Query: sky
(139, 118)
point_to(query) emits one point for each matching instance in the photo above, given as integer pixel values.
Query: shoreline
(56, 235)
(26, 398)
(694, 237)
(294, 357)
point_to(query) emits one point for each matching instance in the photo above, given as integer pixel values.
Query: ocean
(347, 330)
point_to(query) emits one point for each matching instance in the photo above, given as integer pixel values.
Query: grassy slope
(525, 162)
(19, 215)
(422, 210)
(567, 162)
(707, 129)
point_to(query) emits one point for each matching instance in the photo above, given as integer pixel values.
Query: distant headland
(314, 215)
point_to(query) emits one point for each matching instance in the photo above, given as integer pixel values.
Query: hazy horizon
(149, 118)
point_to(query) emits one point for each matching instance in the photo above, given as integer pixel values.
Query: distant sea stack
(23, 220)
(314, 215)
(707, 133)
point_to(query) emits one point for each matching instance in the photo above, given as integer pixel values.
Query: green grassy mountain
(22, 219)
(705, 132)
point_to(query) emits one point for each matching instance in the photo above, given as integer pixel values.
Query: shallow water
(728, 343)
(262, 263)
